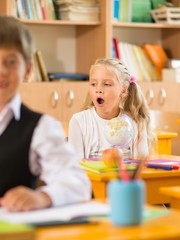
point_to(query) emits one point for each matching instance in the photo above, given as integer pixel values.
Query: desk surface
(162, 228)
(146, 174)
(154, 179)
(165, 134)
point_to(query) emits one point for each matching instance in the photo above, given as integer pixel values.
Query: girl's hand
(24, 199)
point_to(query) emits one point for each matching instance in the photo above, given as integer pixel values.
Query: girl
(113, 93)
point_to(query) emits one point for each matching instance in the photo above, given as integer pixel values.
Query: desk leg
(164, 146)
(99, 189)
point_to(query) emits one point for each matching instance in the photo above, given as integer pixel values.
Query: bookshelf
(72, 46)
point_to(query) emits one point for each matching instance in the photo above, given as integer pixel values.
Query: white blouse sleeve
(141, 147)
(57, 164)
(75, 137)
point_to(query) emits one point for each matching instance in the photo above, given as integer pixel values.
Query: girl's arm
(75, 137)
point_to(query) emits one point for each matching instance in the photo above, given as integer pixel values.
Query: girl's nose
(98, 90)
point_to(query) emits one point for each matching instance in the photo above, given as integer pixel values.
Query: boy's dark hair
(13, 34)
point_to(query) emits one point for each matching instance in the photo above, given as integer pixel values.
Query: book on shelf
(116, 8)
(36, 70)
(54, 76)
(125, 11)
(140, 11)
(21, 13)
(13, 9)
(116, 48)
(16, 231)
(41, 66)
(146, 66)
(157, 55)
(138, 63)
(48, 10)
(38, 12)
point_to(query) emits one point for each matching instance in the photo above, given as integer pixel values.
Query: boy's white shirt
(52, 158)
(86, 132)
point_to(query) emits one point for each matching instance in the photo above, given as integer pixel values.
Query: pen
(159, 166)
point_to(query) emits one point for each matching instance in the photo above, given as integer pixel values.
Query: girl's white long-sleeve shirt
(87, 134)
(52, 158)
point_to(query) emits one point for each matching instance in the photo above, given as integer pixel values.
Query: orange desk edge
(161, 228)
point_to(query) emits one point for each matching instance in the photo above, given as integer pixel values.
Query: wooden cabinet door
(43, 97)
(149, 93)
(166, 95)
(161, 95)
(74, 96)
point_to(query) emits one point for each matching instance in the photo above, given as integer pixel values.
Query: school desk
(165, 141)
(161, 228)
(154, 179)
(174, 195)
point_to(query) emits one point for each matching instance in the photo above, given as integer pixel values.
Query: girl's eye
(107, 84)
(93, 84)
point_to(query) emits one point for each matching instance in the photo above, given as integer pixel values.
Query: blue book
(53, 76)
(116, 10)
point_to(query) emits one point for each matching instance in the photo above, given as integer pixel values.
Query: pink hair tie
(132, 79)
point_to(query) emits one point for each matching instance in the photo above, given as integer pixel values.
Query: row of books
(136, 60)
(74, 10)
(35, 9)
(132, 10)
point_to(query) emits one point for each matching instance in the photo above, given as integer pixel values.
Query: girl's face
(13, 70)
(105, 91)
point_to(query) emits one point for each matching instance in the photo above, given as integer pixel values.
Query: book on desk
(98, 166)
(14, 231)
(68, 214)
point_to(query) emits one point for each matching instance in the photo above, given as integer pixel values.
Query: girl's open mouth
(100, 100)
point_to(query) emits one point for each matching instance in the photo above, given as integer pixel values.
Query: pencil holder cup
(126, 201)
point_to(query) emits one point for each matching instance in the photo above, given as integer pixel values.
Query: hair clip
(132, 79)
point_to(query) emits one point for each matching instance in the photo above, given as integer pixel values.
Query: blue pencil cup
(126, 202)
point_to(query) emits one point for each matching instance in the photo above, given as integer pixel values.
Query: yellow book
(12, 231)
(42, 66)
(96, 166)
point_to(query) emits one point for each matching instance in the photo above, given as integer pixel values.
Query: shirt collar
(14, 106)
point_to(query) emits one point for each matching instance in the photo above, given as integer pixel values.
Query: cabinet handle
(150, 96)
(70, 98)
(55, 99)
(162, 96)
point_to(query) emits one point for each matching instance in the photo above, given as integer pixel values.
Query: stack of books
(78, 10)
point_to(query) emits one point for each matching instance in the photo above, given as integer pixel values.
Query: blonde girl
(112, 93)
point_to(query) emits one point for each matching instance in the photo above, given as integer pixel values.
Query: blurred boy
(32, 145)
